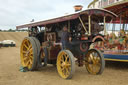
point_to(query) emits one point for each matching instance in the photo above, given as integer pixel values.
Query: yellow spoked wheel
(29, 53)
(65, 64)
(94, 62)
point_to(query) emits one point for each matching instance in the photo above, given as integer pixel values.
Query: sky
(18, 12)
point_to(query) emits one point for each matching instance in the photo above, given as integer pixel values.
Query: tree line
(13, 30)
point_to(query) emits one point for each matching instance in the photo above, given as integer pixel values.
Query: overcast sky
(17, 12)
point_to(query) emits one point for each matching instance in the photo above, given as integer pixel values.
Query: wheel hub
(65, 65)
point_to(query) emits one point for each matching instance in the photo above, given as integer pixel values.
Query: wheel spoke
(98, 59)
(30, 50)
(93, 69)
(68, 65)
(29, 66)
(24, 52)
(92, 58)
(98, 64)
(31, 57)
(62, 59)
(25, 46)
(30, 47)
(28, 43)
(90, 67)
(28, 63)
(62, 68)
(25, 58)
(25, 55)
(97, 68)
(66, 59)
(67, 71)
(64, 72)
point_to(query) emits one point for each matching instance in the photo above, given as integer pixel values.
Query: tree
(10, 30)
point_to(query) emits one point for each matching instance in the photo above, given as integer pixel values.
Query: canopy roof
(96, 12)
(121, 9)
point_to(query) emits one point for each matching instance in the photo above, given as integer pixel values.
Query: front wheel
(94, 62)
(65, 64)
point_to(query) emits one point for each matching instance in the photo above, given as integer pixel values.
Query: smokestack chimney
(78, 8)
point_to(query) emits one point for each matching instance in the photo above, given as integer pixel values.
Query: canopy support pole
(104, 25)
(83, 25)
(68, 26)
(120, 21)
(126, 27)
(89, 22)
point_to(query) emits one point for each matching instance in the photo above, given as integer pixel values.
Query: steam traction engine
(43, 45)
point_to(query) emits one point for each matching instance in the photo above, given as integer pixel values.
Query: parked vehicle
(1, 44)
(7, 43)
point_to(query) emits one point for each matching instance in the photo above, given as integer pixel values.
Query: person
(65, 38)
(96, 28)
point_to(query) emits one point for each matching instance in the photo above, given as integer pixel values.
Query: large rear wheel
(65, 64)
(38, 51)
(94, 61)
(29, 53)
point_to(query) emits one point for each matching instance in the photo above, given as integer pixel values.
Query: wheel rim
(64, 64)
(93, 62)
(26, 54)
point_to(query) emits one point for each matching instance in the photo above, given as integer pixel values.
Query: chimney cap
(78, 7)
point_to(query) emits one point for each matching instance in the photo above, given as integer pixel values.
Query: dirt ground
(115, 73)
